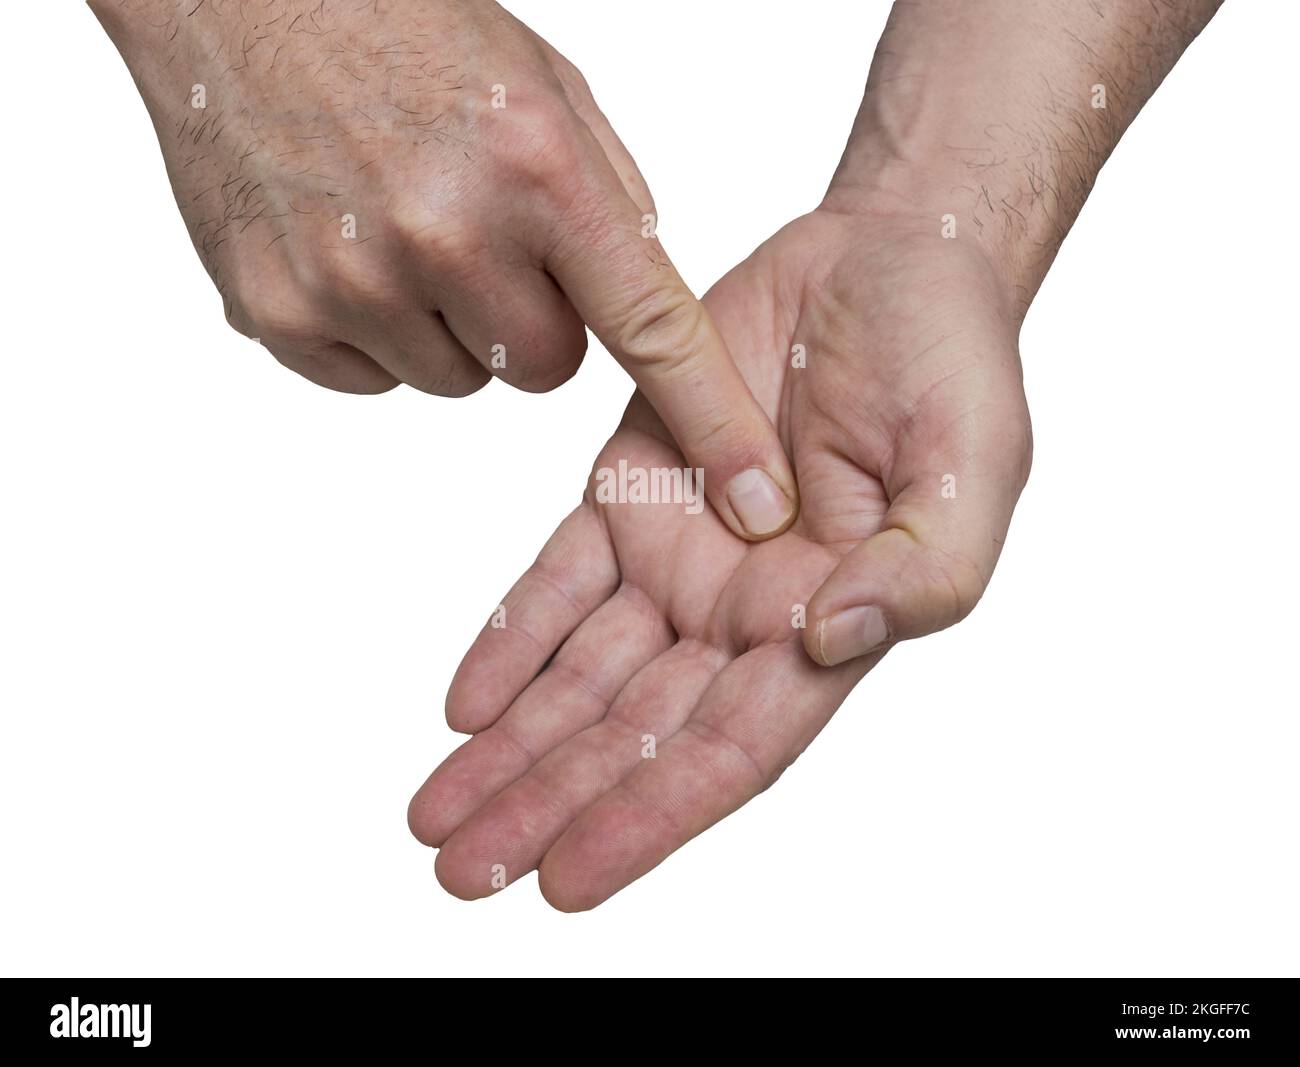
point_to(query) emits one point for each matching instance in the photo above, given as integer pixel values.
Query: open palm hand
(654, 672)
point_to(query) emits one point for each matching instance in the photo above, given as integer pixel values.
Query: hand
(427, 193)
(911, 441)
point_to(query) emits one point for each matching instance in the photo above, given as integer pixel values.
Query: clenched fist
(424, 191)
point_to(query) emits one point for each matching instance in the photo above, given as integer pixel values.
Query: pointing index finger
(614, 271)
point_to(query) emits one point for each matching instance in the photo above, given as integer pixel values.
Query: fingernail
(850, 634)
(759, 505)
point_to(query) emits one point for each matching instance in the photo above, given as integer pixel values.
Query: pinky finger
(327, 363)
(574, 574)
(335, 366)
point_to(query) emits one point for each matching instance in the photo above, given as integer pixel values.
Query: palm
(675, 637)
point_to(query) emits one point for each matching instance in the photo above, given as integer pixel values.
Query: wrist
(993, 186)
(936, 195)
(166, 44)
(995, 117)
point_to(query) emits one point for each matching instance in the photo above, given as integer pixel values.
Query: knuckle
(962, 583)
(317, 367)
(450, 380)
(547, 373)
(346, 280)
(1024, 453)
(237, 318)
(563, 68)
(551, 346)
(280, 316)
(571, 78)
(448, 243)
(729, 433)
(664, 331)
(539, 141)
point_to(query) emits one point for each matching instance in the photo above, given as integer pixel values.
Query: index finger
(616, 274)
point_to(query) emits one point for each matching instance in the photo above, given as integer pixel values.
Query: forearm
(1000, 114)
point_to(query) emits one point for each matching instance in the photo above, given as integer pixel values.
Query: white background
(230, 601)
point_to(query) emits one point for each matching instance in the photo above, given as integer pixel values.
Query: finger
(619, 638)
(756, 717)
(335, 366)
(632, 297)
(515, 828)
(517, 324)
(578, 93)
(939, 542)
(416, 347)
(287, 332)
(573, 575)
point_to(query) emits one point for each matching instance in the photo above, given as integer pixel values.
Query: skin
(908, 430)
(668, 625)
(427, 193)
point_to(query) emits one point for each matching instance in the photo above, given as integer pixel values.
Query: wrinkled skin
(427, 193)
(668, 625)
(386, 114)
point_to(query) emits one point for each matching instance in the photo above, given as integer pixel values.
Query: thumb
(626, 289)
(929, 565)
